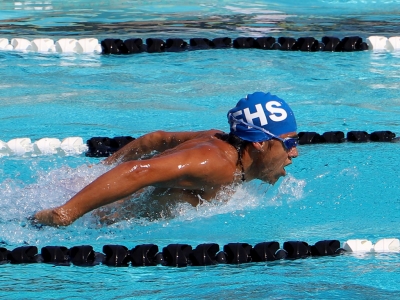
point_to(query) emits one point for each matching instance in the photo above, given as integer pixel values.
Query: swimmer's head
(260, 117)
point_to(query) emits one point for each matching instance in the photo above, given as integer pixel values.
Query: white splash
(21, 200)
(291, 190)
(248, 196)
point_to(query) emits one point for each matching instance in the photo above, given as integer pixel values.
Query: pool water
(332, 191)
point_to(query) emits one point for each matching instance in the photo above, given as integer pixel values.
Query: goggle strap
(284, 141)
(255, 127)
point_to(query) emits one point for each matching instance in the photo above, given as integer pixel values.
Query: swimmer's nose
(293, 153)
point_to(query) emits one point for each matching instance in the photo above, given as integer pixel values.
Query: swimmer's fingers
(53, 217)
(109, 219)
(33, 222)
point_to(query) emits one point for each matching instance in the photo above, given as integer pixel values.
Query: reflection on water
(193, 19)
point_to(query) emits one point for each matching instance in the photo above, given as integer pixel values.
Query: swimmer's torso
(211, 152)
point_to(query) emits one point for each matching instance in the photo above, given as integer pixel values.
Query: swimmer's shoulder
(210, 133)
(216, 142)
(214, 136)
(208, 140)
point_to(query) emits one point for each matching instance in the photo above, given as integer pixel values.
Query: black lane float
(105, 146)
(306, 44)
(173, 255)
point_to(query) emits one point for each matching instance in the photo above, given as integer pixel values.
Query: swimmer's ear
(258, 145)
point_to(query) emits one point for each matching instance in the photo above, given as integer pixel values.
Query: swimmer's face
(273, 157)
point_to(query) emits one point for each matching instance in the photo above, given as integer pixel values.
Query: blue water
(186, 19)
(338, 191)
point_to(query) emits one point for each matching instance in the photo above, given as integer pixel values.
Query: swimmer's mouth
(283, 168)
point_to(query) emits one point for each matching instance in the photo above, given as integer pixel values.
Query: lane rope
(105, 146)
(154, 45)
(183, 255)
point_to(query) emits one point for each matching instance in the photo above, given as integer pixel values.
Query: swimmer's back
(211, 140)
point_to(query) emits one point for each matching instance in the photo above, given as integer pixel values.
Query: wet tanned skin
(192, 164)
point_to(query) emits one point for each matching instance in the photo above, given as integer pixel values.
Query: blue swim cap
(259, 117)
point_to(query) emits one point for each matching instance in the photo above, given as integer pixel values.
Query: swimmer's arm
(185, 170)
(158, 141)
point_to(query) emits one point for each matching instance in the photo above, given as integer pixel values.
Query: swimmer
(193, 166)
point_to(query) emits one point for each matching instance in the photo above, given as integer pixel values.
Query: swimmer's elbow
(163, 140)
(139, 174)
(161, 136)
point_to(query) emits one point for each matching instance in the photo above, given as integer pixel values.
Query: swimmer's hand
(33, 222)
(50, 217)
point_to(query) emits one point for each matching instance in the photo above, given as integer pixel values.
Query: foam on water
(20, 200)
(246, 198)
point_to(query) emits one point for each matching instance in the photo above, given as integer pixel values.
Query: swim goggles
(288, 143)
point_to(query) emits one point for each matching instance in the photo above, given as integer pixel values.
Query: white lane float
(377, 42)
(73, 145)
(5, 45)
(4, 150)
(44, 146)
(393, 43)
(383, 43)
(363, 245)
(20, 146)
(357, 245)
(43, 45)
(66, 46)
(21, 44)
(387, 245)
(88, 45)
